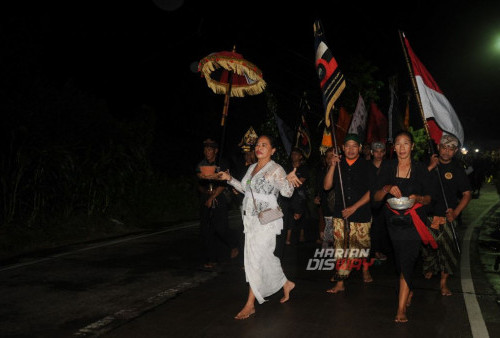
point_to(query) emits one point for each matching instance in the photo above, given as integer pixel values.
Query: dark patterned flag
(286, 134)
(331, 79)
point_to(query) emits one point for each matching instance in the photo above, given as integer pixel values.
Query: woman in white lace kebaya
(266, 179)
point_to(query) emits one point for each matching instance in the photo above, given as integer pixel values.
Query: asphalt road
(152, 285)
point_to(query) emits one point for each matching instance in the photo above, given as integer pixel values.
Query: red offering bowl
(207, 170)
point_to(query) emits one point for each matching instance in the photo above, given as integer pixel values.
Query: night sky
(142, 54)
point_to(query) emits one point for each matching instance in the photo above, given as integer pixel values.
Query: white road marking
(108, 243)
(110, 322)
(476, 320)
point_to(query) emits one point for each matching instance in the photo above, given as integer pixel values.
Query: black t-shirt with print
(455, 183)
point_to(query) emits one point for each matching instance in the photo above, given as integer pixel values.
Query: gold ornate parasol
(230, 74)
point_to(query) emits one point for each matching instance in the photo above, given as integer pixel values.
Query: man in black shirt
(354, 189)
(379, 235)
(297, 203)
(452, 195)
(213, 206)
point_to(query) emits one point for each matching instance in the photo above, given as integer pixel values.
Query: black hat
(210, 143)
(352, 137)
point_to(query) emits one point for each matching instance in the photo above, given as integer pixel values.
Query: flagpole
(416, 92)
(332, 86)
(392, 86)
(298, 122)
(426, 126)
(347, 229)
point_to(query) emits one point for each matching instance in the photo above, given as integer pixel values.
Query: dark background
(141, 56)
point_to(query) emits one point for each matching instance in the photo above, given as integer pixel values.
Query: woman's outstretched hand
(224, 176)
(293, 179)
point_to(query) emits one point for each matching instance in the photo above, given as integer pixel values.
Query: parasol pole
(224, 114)
(426, 126)
(337, 150)
(229, 87)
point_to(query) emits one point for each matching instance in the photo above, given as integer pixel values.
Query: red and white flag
(440, 115)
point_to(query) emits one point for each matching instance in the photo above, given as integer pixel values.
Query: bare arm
(347, 212)
(328, 180)
(422, 199)
(330, 174)
(224, 175)
(452, 214)
(387, 189)
(434, 161)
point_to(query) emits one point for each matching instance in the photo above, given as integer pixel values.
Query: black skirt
(406, 243)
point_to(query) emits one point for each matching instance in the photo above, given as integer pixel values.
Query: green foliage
(69, 171)
(420, 151)
(360, 75)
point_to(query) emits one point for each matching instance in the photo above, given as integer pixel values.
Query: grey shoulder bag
(268, 215)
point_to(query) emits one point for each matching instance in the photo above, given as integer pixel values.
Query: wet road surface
(153, 285)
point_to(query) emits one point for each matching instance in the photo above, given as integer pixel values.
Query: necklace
(407, 174)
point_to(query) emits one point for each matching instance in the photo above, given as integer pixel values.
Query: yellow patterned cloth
(359, 238)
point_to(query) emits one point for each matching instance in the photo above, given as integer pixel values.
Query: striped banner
(332, 80)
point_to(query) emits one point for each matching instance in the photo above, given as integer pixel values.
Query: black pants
(214, 228)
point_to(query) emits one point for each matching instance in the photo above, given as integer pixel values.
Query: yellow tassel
(326, 142)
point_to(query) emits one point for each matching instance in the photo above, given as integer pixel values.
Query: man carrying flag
(355, 208)
(447, 205)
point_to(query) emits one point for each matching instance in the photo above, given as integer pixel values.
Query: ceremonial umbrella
(230, 74)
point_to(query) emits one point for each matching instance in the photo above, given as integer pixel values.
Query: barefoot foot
(287, 288)
(246, 312)
(410, 296)
(445, 291)
(367, 277)
(337, 288)
(401, 317)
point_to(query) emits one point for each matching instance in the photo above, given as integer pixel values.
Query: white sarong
(262, 268)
